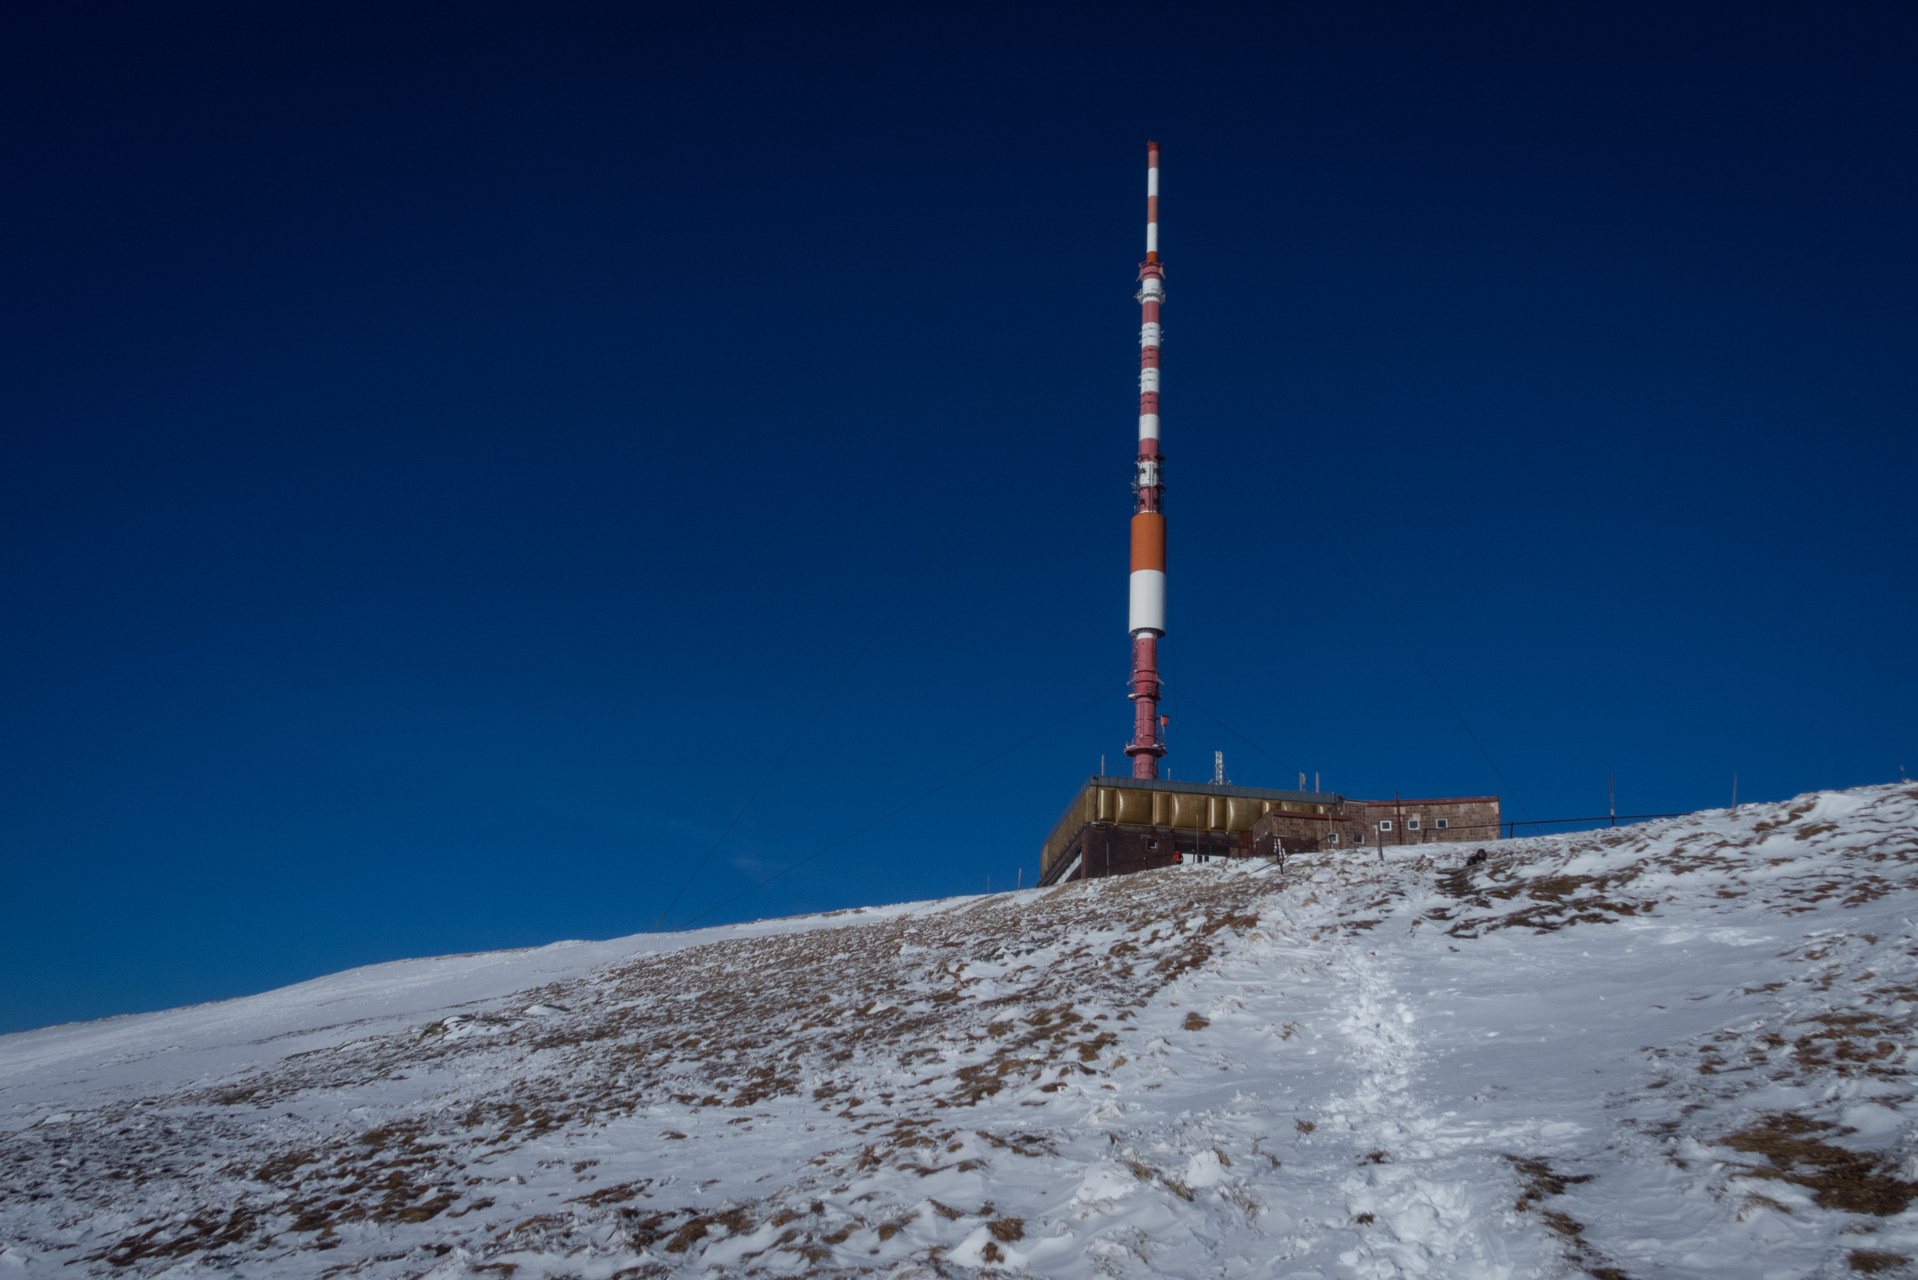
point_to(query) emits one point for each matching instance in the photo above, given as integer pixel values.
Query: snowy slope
(1677, 1049)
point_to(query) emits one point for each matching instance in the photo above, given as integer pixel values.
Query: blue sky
(450, 452)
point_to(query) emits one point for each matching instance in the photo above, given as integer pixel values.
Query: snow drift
(1677, 1049)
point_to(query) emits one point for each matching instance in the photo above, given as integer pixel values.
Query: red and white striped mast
(1146, 616)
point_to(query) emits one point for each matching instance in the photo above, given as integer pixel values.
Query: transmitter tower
(1146, 611)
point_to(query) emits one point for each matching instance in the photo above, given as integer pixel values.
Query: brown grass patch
(1849, 1181)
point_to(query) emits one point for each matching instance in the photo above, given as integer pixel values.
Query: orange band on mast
(1148, 541)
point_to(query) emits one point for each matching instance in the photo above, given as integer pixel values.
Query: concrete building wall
(1278, 833)
(1366, 824)
(1454, 819)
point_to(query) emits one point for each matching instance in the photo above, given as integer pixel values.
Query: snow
(1676, 1049)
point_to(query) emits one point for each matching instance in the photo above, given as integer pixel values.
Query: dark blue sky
(449, 452)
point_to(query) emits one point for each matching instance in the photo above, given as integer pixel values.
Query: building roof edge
(1214, 789)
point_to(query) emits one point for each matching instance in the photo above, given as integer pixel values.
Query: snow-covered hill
(1678, 1049)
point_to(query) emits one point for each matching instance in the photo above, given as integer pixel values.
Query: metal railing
(1509, 830)
(1613, 819)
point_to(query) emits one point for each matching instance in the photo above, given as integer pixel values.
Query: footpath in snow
(1670, 1050)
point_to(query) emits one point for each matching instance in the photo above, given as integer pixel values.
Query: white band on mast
(1146, 607)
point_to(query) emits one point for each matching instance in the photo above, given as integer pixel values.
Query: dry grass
(1850, 1181)
(765, 1014)
(1538, 1181)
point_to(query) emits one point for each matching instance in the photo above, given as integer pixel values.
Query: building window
(1442, 824)
(1358, 837)
(1333, 838)
(1411, 824)
(1385, 824)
